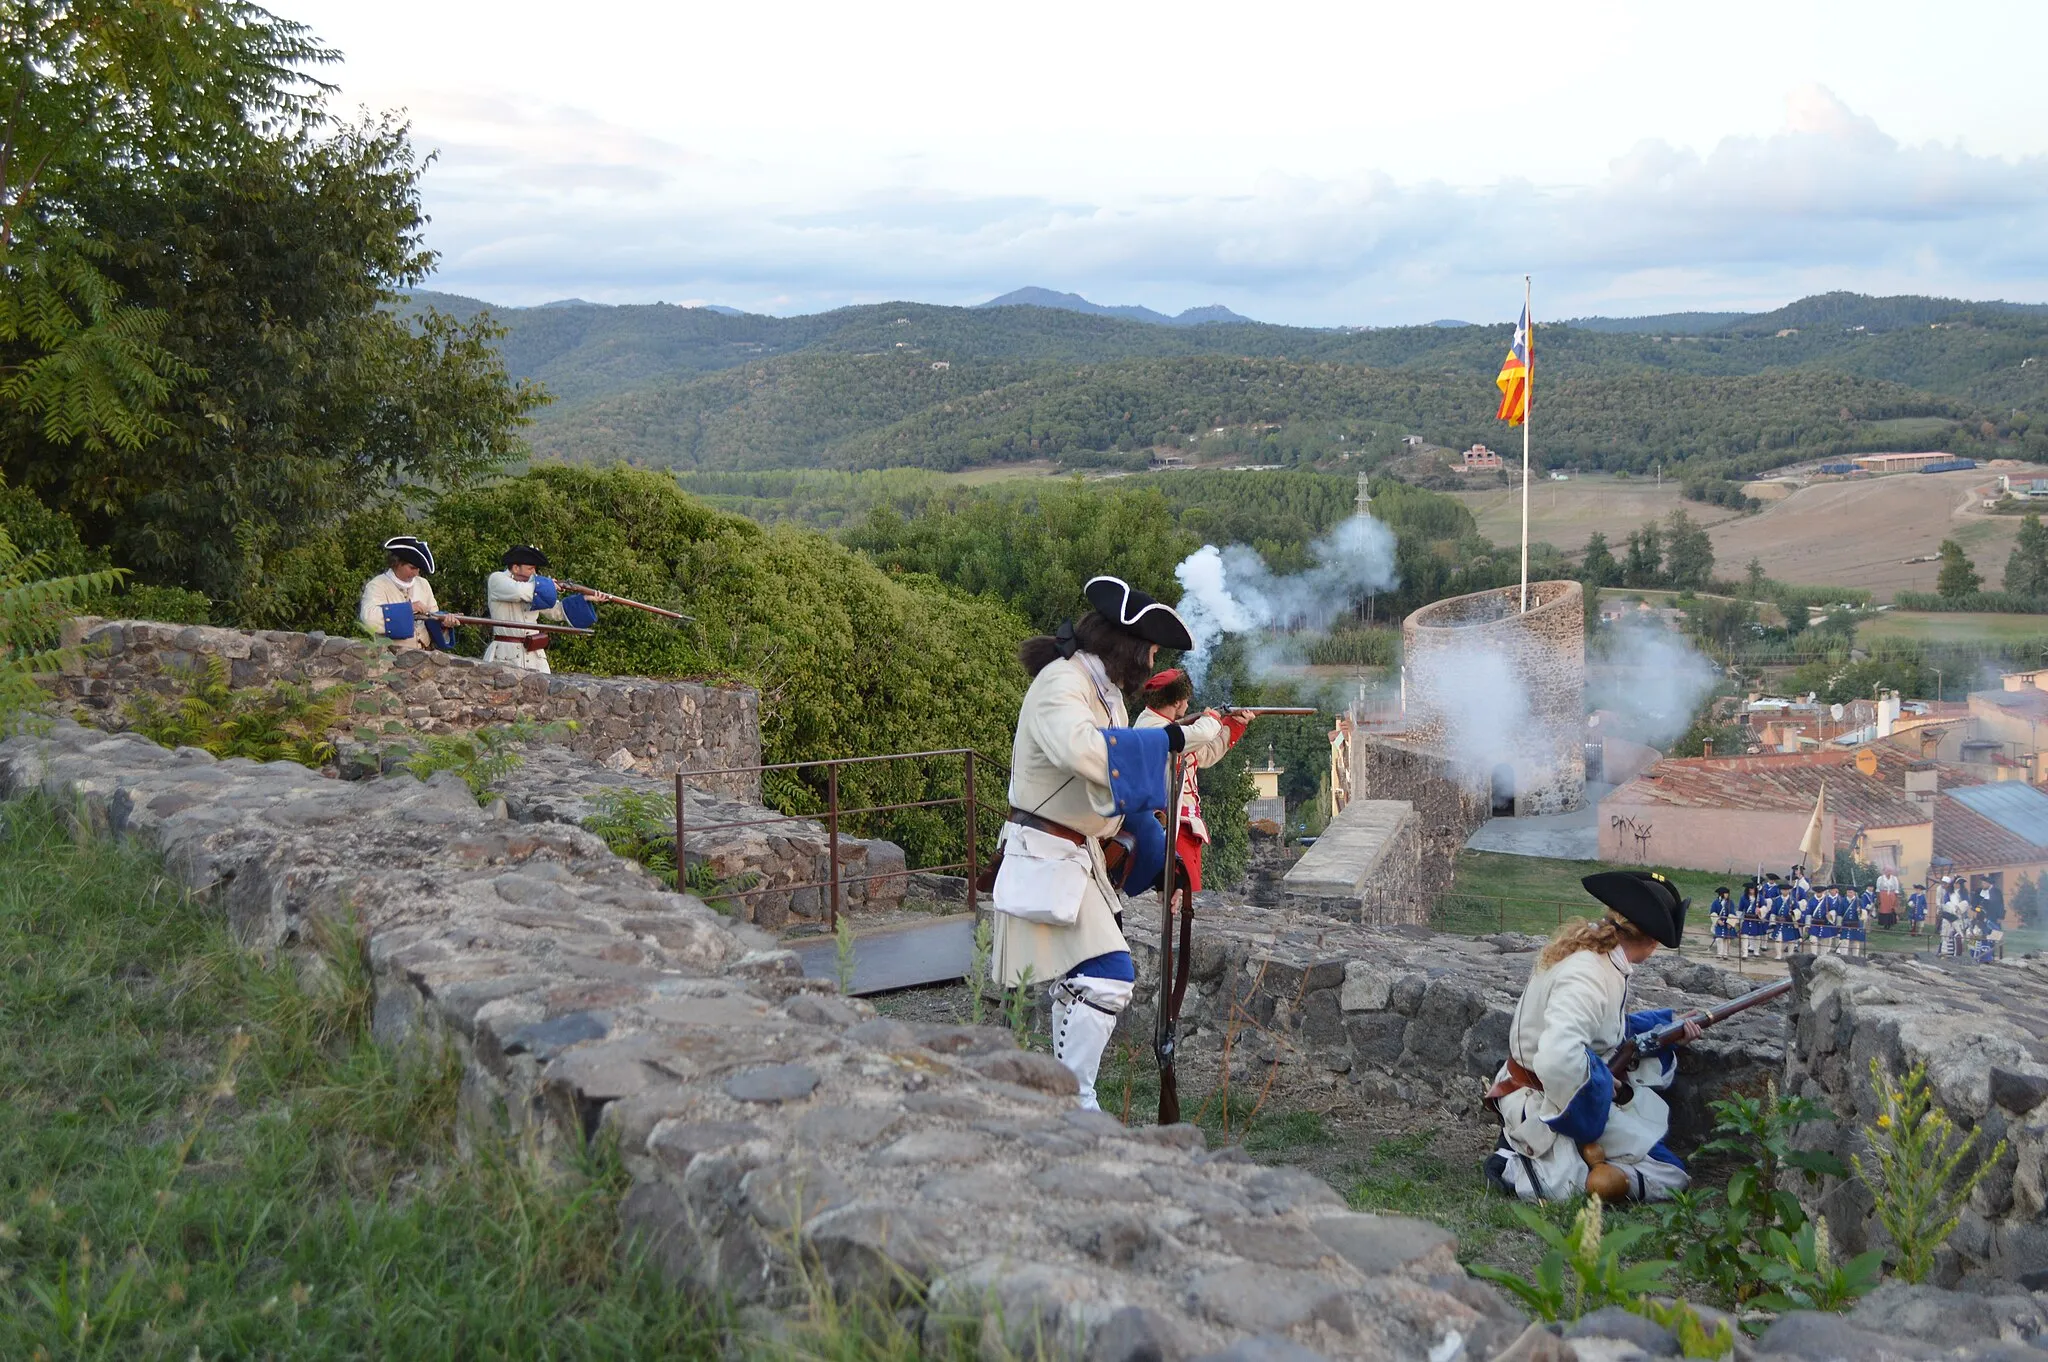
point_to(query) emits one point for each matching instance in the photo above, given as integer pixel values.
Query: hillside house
(1480, 459)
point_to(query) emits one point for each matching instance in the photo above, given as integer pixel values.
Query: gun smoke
(1231, 590)
(1651, 680)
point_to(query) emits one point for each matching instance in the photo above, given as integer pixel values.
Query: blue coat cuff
(1137, 769)
(1636, 1023)
(544, 593)
(579, 611)
(1585, 1118)
(398, 621)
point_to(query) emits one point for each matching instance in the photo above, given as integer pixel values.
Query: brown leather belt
(1059, 830)
(1518, 1078)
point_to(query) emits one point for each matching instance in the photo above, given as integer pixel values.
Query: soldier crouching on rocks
(1567, 1123)
(1078, 769)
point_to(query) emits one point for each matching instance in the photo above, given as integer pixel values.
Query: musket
(1657, 1038)
(626, 601)
(1255, 711)
(483, 623)
(1173, 964)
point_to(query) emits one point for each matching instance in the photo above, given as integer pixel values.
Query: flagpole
(1528, 400)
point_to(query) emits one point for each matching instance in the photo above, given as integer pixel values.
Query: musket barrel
(483, 623)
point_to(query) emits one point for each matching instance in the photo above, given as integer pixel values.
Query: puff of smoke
(1232, 591)
(1482, 705)
(1653, 681)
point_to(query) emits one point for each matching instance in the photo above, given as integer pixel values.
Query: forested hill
(911, 384)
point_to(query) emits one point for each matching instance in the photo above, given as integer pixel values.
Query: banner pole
(1528, 401)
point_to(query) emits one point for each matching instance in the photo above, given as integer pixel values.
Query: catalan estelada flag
(1514, 376)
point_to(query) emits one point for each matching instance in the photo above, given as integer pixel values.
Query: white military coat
(385, 589)
(1578, 1004)
(511, 600)
(1059, 770)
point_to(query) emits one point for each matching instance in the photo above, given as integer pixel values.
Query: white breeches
(1084, 1013)
(516, 655)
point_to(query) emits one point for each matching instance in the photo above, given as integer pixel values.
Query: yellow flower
(1884, 1122)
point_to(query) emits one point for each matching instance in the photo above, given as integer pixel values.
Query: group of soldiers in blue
(1794, 918)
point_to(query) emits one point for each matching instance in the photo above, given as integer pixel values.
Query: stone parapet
(1364, 867)
(1982, 1032)
(774, 1132)
(1449, 806)
(1407, 1015)
(662, 726)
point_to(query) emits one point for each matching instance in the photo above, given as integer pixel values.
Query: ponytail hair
(1126, 657)
(1590, 934)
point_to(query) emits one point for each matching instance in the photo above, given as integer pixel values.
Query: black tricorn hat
(524, 553)
(1645, 898)
(412, 549)
(1123, 605)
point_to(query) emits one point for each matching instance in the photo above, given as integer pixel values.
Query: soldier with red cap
(1167, 697)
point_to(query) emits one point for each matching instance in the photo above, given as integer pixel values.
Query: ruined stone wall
(661, 726)
(1534, 677)
(1448, 808)
(1982, 1032)
(1414, 1017)
(1365, 867)
(762, 1119)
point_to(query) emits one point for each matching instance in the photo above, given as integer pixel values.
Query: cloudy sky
(1337, 162)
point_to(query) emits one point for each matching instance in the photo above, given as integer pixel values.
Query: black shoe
(1496, 1168)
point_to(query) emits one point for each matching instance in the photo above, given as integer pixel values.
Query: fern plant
(33, 607)
(278, 722)
(641, 826)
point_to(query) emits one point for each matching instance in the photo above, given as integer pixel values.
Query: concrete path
(903, 956)
(1573, 836)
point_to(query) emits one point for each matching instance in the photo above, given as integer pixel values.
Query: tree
(2026, 571)
(1689, 556)
(1644, 565)
(1722, 623)
(1753, 580)
(1958, 576)
(33, 604)
(1598, 568)
(133, 88)
(298, 400)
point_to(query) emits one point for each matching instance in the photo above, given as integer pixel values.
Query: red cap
(1164, 679)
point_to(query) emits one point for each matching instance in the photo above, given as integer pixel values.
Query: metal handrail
(968, 799)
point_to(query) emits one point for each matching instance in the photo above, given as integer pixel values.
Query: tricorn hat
(1645, 899)
(412, 549)
(524, 553)
(1122, 604)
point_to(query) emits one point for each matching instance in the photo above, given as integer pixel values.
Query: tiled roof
(1776, 784)
(2030, 703)
(1967, 840)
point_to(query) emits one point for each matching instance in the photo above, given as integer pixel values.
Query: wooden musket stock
(1650, 1042)
(626, 601)
(483, 623)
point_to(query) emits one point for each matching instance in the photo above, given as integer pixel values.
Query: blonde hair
(1590, 934)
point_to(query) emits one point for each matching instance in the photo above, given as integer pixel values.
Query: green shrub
(278, 722)
(1916, 1153)
(1581, 1268)
(33, 605)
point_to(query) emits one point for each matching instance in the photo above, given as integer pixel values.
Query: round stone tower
(1502, 692)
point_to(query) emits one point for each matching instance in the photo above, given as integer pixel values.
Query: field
(1565, 513)
(1919, 626)
(1862, 533)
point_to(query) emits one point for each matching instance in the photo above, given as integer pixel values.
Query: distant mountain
(1666, 323)
(724, 311)
(572, 302)
(1861, 312)
(1074, 302)
(1449, 321)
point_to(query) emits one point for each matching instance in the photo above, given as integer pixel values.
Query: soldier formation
(527, 610)
(1792, 918)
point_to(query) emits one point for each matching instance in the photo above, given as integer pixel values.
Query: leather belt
(1518, 1078)
(1046, 825)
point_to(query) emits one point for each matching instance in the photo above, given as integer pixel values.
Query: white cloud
(534, 200)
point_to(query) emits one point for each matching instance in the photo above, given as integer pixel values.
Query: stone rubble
(757, 1112)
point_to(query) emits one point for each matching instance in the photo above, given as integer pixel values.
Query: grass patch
(204, 1156)
(1935, 626)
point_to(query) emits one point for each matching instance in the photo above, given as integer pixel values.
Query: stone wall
(1982, 1032)
(555, 785)
(660, 726)
(763, 1120)
(1415, 1017)
(1364, 867)
(1528, 668)
(1448, 809)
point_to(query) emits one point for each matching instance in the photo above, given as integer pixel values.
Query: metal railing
(968, 800)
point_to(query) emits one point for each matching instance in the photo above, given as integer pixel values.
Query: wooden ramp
(903, 955)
